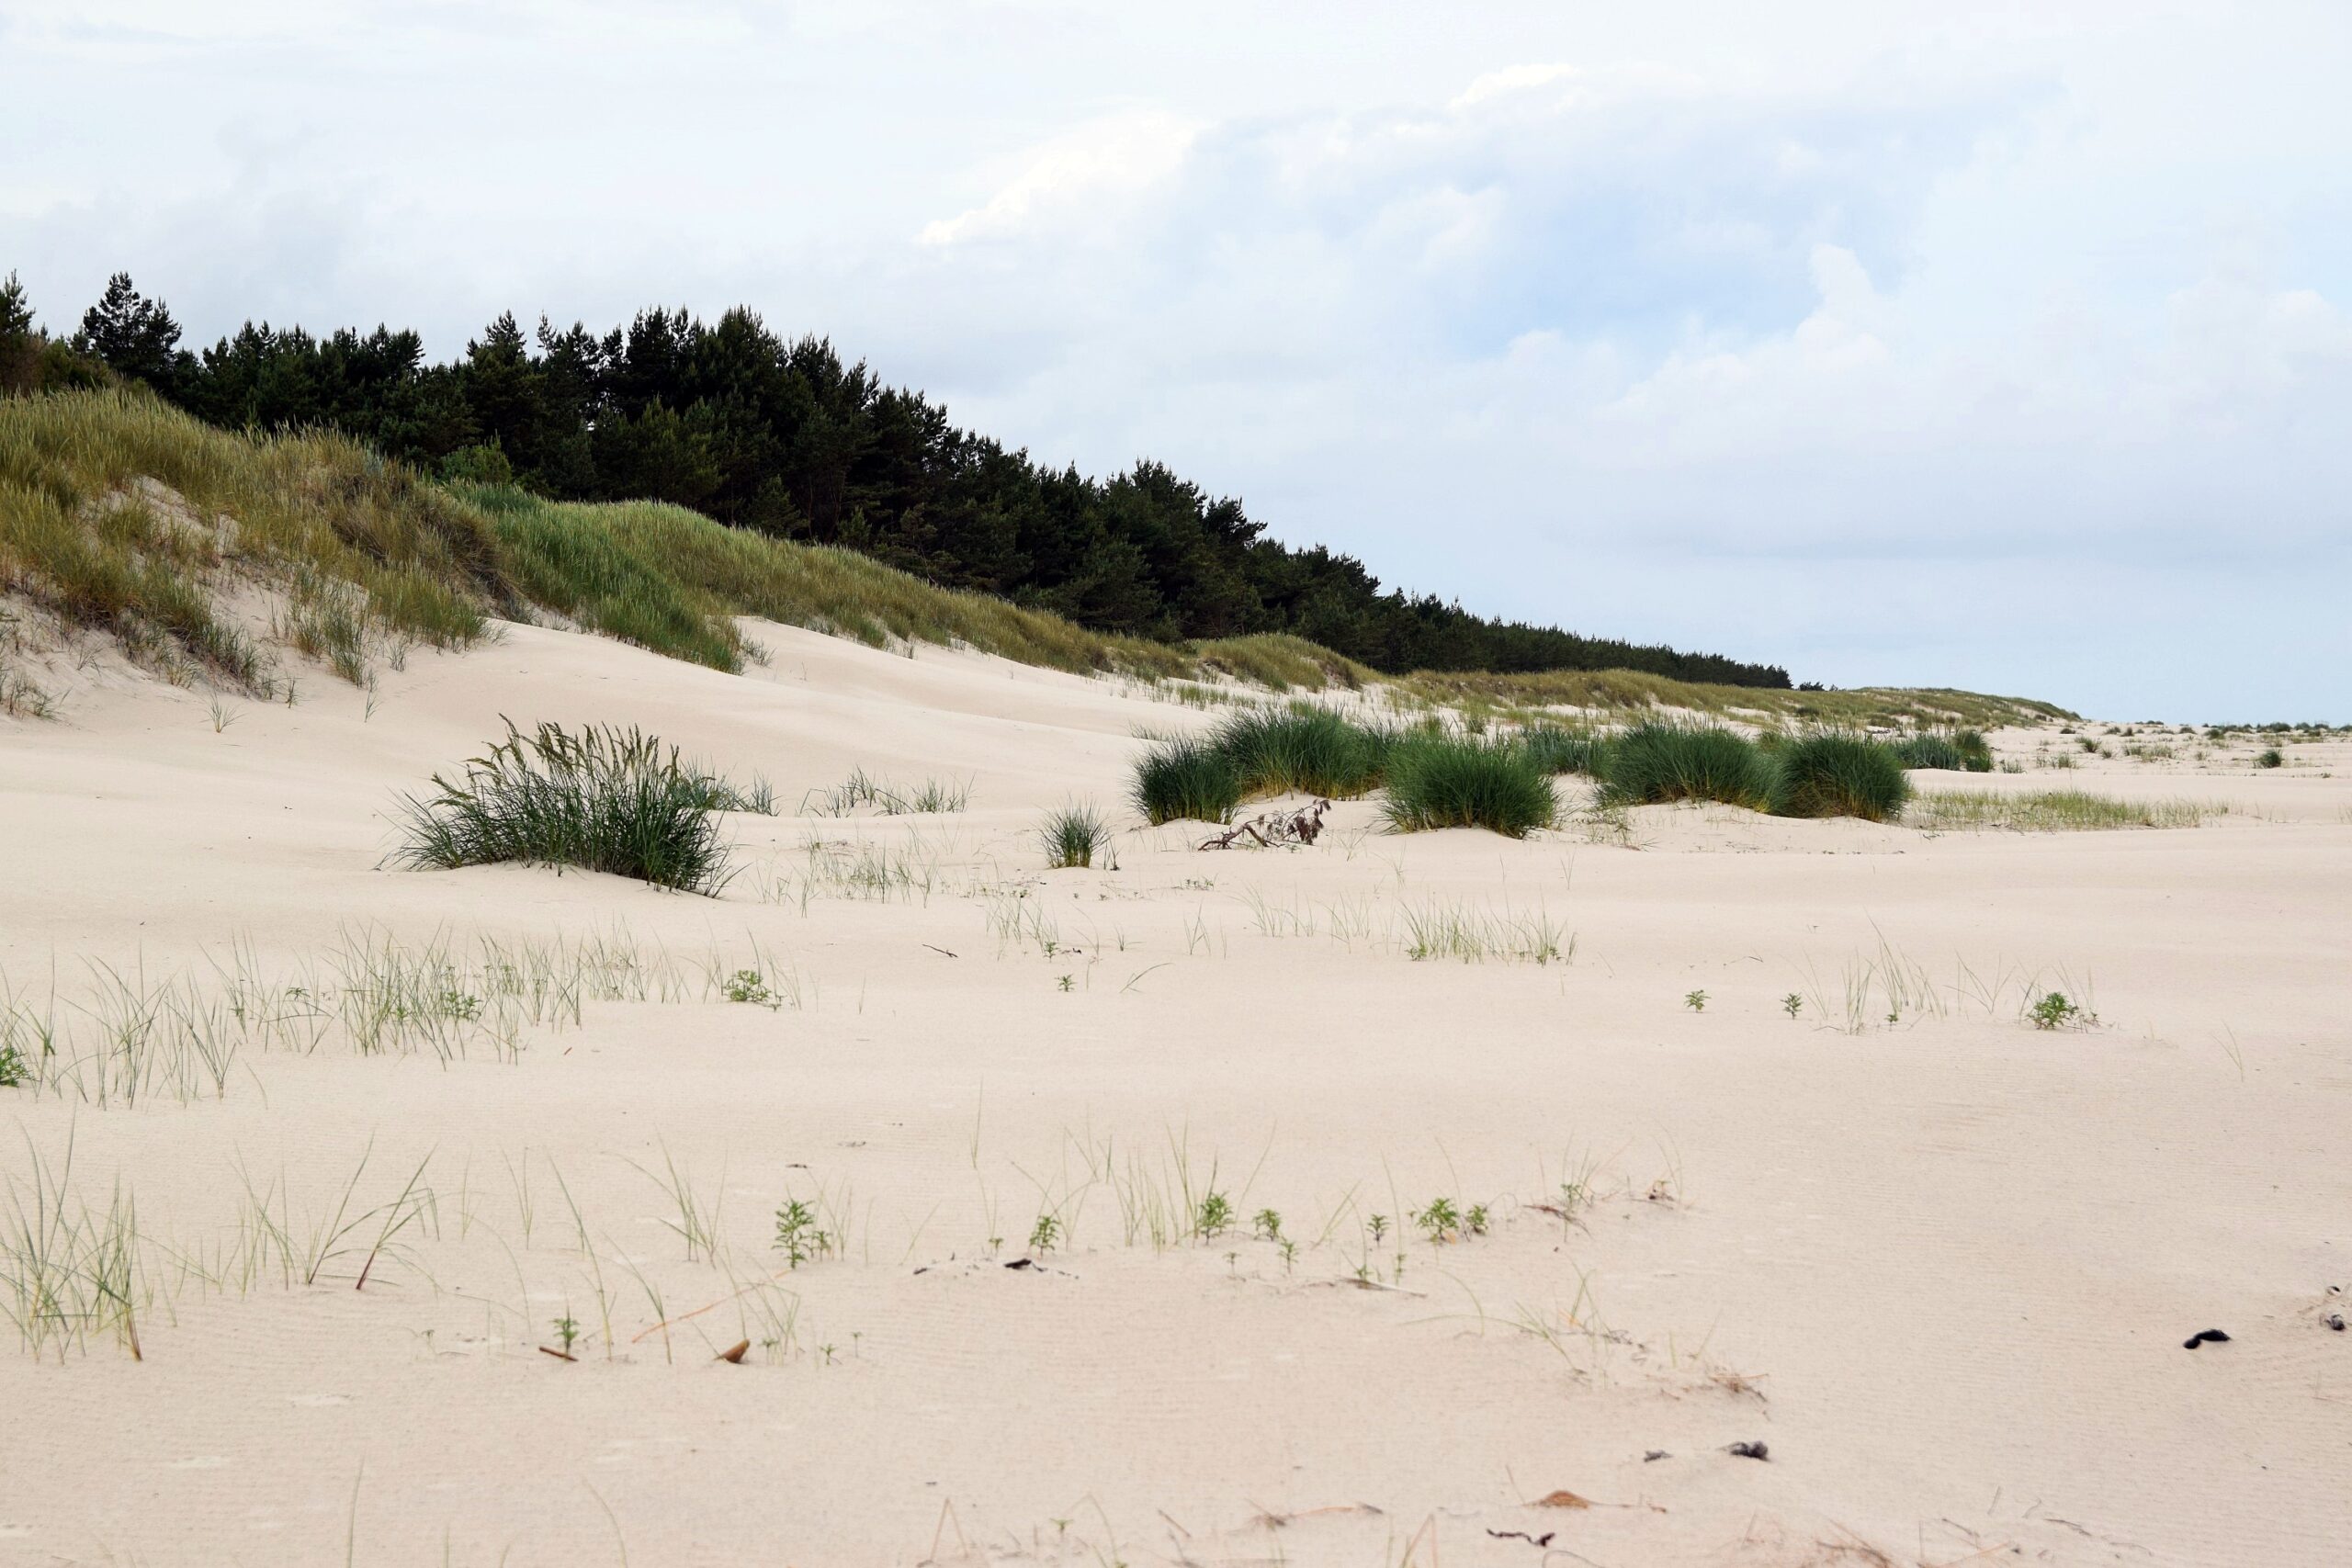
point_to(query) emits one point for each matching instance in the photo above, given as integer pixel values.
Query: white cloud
(1510, 79)
(1109, 158)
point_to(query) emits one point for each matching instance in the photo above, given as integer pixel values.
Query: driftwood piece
(1273, 829)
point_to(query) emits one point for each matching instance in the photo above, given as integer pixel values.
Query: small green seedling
(1069, 982)
(13, 1070)
(1792, 1004)
(1473, 1219)
(2055, 1012)
(748, 985)
(1215, 1216)
(566, 1333)
(1379, 1224)
(1267, 1224)
(797, 1235)
(1044, 1232)
(1438, 1221)
(1695, 1000)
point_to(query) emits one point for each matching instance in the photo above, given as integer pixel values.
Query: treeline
(781, 437)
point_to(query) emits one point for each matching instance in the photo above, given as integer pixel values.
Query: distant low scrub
(1186, 778)
(1656, 763)
(603, 799)
(1451, 783)
(1957, 750)
(1559, 750)
(1832, 775)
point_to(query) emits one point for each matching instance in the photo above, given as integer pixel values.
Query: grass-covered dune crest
(123, 515)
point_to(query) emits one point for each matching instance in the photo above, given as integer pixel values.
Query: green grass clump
(1073, 836)
(1834, 774)
(1957, 750)
(605, 799)
(1657, 763)
(1186, 778)
(1302, 750)
(2269, 758)
(1559, 750)
(1468, 783)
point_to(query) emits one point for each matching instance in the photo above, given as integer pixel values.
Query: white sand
(1942, 1267)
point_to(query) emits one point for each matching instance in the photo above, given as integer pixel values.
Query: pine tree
(19, 351)
(16, 312)
(134, 335)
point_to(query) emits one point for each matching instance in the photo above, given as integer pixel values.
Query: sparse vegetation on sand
(1470, 933)
(2052, 811)
(1184, 778)
(1656, 763)
(932, 797)
(603, 799)
(1073, 836)
(1830, 774)
(1448, 783)
(113, 1038)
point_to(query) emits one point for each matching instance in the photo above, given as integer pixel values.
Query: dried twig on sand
(1274, 829)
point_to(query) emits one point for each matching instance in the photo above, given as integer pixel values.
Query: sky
(2004, 347)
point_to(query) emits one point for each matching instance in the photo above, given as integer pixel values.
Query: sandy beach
(1434, 1198)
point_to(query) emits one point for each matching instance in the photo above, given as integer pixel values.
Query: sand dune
(1939, 1263)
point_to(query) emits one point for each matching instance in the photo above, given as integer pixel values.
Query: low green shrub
(1655, 762)
(1468, 783)
(1186, 778)
(1834, 774)
(605, 799)
(2269, 758)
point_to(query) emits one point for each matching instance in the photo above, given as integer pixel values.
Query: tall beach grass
(1658, 762)
(1302, 750)
(603, 799)
(1186, 778)
(1448, 783)
(1832, 774)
